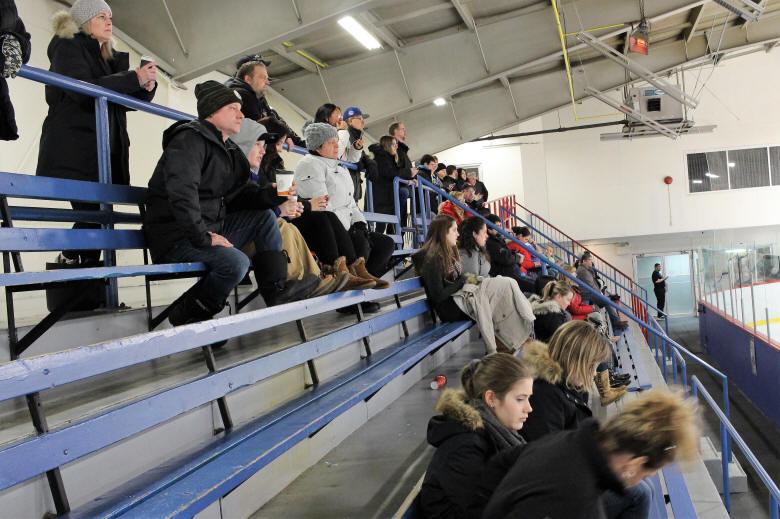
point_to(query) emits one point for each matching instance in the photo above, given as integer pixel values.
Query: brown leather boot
(608, 394)
(354, 282)
(359, 269)
(328, 285)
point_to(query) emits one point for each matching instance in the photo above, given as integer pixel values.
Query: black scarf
(501, 437)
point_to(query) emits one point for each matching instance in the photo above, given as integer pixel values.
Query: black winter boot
(191, 310)
(271, 275)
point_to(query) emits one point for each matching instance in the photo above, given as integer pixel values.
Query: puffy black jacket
(68, 139)
(463, 448)
(556, 407)
(549, 317)
(198, 179)
(256, 108)
(562, 477)
(10, 24)
(502, 260)
(388, 167)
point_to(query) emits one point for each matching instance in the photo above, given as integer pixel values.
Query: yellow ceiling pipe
(562, 35)
(304, 54)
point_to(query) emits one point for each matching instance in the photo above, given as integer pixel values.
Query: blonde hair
(577, 347)
(571, 269)
(556, 288)
(660, 424)
(106, 49)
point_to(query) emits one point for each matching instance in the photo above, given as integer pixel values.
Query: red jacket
(528, 262)
(456, 213)
(578, 310)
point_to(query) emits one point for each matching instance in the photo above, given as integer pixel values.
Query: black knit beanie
(212, 96)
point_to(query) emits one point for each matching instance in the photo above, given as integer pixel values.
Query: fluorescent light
(697, 181)
(711, 175)
(360, 33)
(732, 164)
(439, 101)
(736, 251)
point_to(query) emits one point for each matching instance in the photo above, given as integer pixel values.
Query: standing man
(351, 146)
(14, 50)
(251, 82)
(480, 191)
(659, 287)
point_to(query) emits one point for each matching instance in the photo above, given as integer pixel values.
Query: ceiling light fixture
(732, 164)
(360, 33)
(711, 175)
(697, 181)
(439, 101)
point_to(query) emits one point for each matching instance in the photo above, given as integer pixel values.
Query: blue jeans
(634, 504)
(227, 266)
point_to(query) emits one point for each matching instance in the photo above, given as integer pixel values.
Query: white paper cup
(284, 180)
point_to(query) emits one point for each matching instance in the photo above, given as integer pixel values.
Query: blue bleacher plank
(47, 214)
(41, 453)
(191, 494)
(44, 188)
(22, 377)
(40, 240)
(404, 252)
(55, 276)
(658, 503)
(680, 498)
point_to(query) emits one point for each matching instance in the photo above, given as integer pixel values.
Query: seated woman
(550, 309)
(449, 208)
(320, 174)
(528, 265)
(253, 140)
(564, 373)
(501, 311)
(471, 247)
(577, 308)
(475, 423)
(503, 262)
(566, 476)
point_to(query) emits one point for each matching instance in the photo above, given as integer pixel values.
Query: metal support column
(224, 412)
(104, 169)
(315, 378)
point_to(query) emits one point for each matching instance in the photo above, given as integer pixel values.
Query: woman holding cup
(320, 174)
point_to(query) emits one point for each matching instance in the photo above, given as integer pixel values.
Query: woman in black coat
(474, 425)
(567, 475)
(81, 48)
(564, 371)
(14, 51)
(550, 309)
(390, 164)
(503, 262)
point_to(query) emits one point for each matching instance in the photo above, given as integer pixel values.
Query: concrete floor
(757, 430)
(386, 474)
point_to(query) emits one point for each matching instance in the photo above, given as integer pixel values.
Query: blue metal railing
(727, 434)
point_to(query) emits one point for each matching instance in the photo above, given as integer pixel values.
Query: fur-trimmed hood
(541, 307)
(457, 418)
(64, 25)
(537, 356)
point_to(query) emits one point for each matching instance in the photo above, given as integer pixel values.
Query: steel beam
(694, 19)
(294, 57)
(632, 114)
(455, 118)
(505, 82)
(414, 14)
(383, 33)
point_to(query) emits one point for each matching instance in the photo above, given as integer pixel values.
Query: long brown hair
(577, 347)
(497, 372)
(436, 248)
(386, 143)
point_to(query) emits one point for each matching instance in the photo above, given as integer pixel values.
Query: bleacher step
(712, 460)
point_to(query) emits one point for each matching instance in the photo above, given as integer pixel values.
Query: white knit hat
(317, 133)
(84, 10)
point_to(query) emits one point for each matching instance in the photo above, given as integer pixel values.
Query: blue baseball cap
(353, 111)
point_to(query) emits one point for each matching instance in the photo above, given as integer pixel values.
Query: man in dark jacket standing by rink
(201, 207)
(14, 51)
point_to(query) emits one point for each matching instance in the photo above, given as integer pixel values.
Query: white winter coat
(347, 152)
(317, 176)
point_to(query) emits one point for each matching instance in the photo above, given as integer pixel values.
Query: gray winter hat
(250, 133)
(317, 133)
(84, 10)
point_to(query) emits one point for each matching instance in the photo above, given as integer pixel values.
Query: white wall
(500, 162)
(605, 189)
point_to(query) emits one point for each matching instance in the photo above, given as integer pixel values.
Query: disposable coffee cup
(284, 181)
